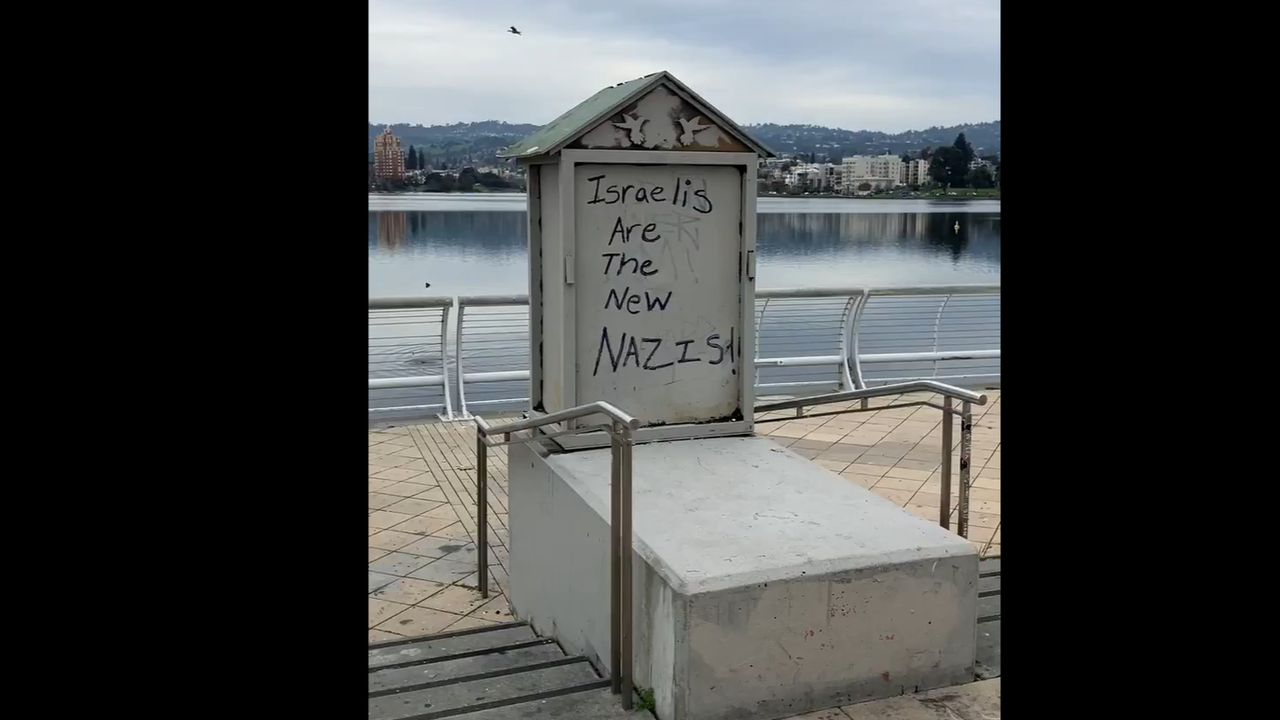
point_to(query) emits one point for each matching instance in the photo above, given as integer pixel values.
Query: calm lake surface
(475, 244)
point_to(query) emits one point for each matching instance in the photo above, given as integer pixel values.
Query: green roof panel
(591, 112)
(584, 116)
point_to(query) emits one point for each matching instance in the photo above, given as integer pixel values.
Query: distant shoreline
(963, 194)
(959, 195)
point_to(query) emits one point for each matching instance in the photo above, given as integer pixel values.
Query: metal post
(944, 513)
(966, 440)
(627, 444)
(615, 560)
(482, 506)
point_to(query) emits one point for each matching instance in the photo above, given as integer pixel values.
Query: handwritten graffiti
(680, 194)
(628, 351)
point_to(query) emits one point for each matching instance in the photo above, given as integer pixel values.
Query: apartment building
(388, 158)
(819, 177)
(915, 172)
(868, 173)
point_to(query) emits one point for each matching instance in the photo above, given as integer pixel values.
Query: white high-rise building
(823, 177)
(915, 172)
(867, 173)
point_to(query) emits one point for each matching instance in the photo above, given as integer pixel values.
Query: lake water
(475, 244)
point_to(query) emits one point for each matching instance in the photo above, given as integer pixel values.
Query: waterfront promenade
(422, 522)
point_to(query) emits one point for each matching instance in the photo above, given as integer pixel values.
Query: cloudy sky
(888, 65)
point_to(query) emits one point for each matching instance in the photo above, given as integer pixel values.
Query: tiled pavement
(422, 574)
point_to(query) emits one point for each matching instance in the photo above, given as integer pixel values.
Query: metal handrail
(967, 399)
(621, 428)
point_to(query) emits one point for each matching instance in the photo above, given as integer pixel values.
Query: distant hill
(461, 143)
(478, 142)
(835, 143)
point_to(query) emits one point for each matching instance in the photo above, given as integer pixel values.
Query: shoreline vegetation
(937, 194)
(953, 194)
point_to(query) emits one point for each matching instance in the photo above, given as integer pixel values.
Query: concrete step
(989, 566)
(975, 701)
(987, 662)
(988, 585)
(461, 699)
(988, 607)
(445, 672)
(591, 705)
(495, 673)
(460, 643)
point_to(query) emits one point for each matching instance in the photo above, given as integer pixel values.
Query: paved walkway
(422, 558)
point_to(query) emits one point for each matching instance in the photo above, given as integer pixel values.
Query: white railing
(808, 341)
(408, 343)
(930, 332)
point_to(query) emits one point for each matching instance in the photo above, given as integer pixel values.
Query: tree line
(949, 166)
(466, 180)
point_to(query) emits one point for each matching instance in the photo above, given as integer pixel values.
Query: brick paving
(422, 525)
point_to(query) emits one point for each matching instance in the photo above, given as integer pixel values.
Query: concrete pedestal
(765, 585)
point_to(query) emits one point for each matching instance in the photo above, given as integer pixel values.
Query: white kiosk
(765, 585)
(642, 261)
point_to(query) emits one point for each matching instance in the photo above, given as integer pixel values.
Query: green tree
(411, 159)
(436, 182)
(965, 148)
(493, 180)
(466, 180)
(390, 184)
(422, 160)
(925, 153)
(938, 165)
(947, 166)
(980, 177)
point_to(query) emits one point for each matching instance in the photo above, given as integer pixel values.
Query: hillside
(478, 142)
(835, 143)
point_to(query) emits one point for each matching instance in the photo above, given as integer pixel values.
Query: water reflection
(782, 236)
(483, 252)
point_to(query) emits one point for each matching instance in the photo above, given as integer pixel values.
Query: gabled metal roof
(553, 136)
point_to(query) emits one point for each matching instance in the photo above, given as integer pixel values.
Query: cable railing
(621, 428)
(408, 343)
(808, 341)
(949, 393)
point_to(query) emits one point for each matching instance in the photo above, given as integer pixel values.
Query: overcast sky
(888, 65)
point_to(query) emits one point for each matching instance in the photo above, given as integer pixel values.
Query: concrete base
(765, 585)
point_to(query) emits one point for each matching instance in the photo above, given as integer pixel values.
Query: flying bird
(514, 31)
(632, 124)
(691, 127)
